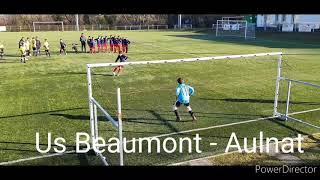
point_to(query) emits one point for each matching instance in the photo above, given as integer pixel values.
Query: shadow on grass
(29, 144)
(270, 40)
(44, 112)
(282, 124)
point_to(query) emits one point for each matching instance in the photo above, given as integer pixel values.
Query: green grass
(236, 159)
(50, 94)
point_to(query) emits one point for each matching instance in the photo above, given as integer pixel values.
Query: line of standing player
(105, 44)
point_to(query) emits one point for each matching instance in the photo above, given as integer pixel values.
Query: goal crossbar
(185, 60)
(47, 22)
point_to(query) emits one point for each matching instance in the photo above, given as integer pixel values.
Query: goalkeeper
(122, 58)
(183, 93)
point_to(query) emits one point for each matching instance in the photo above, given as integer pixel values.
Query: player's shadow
(262, 101)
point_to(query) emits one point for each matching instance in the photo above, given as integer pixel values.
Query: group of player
(96, 45)
(26, 45)
(101, 44)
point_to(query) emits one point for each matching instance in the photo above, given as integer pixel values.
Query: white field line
(35, 157)
(162, 135)
(300, 112)
(222, 154)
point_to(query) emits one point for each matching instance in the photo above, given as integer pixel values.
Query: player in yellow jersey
(46, 47)
(23, 52)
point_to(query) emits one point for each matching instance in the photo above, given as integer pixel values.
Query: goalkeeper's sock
(177, 115)
(192, 115)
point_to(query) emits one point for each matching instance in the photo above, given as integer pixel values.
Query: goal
(235, 28)
(48, 26)
(145, 108)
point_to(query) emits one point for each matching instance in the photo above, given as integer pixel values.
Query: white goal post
(49, 28)
(235, 28)
(94, 106)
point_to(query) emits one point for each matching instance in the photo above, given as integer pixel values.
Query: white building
(289, 22)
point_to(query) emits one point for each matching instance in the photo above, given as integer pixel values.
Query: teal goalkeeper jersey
(183, 93)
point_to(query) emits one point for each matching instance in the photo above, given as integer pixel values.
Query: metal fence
(98, 27)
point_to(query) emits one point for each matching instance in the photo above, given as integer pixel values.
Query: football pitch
(51, 94)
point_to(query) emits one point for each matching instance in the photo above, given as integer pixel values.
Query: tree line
(204, 20)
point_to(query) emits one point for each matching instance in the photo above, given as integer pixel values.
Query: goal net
(48, 26)
(235, 28)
